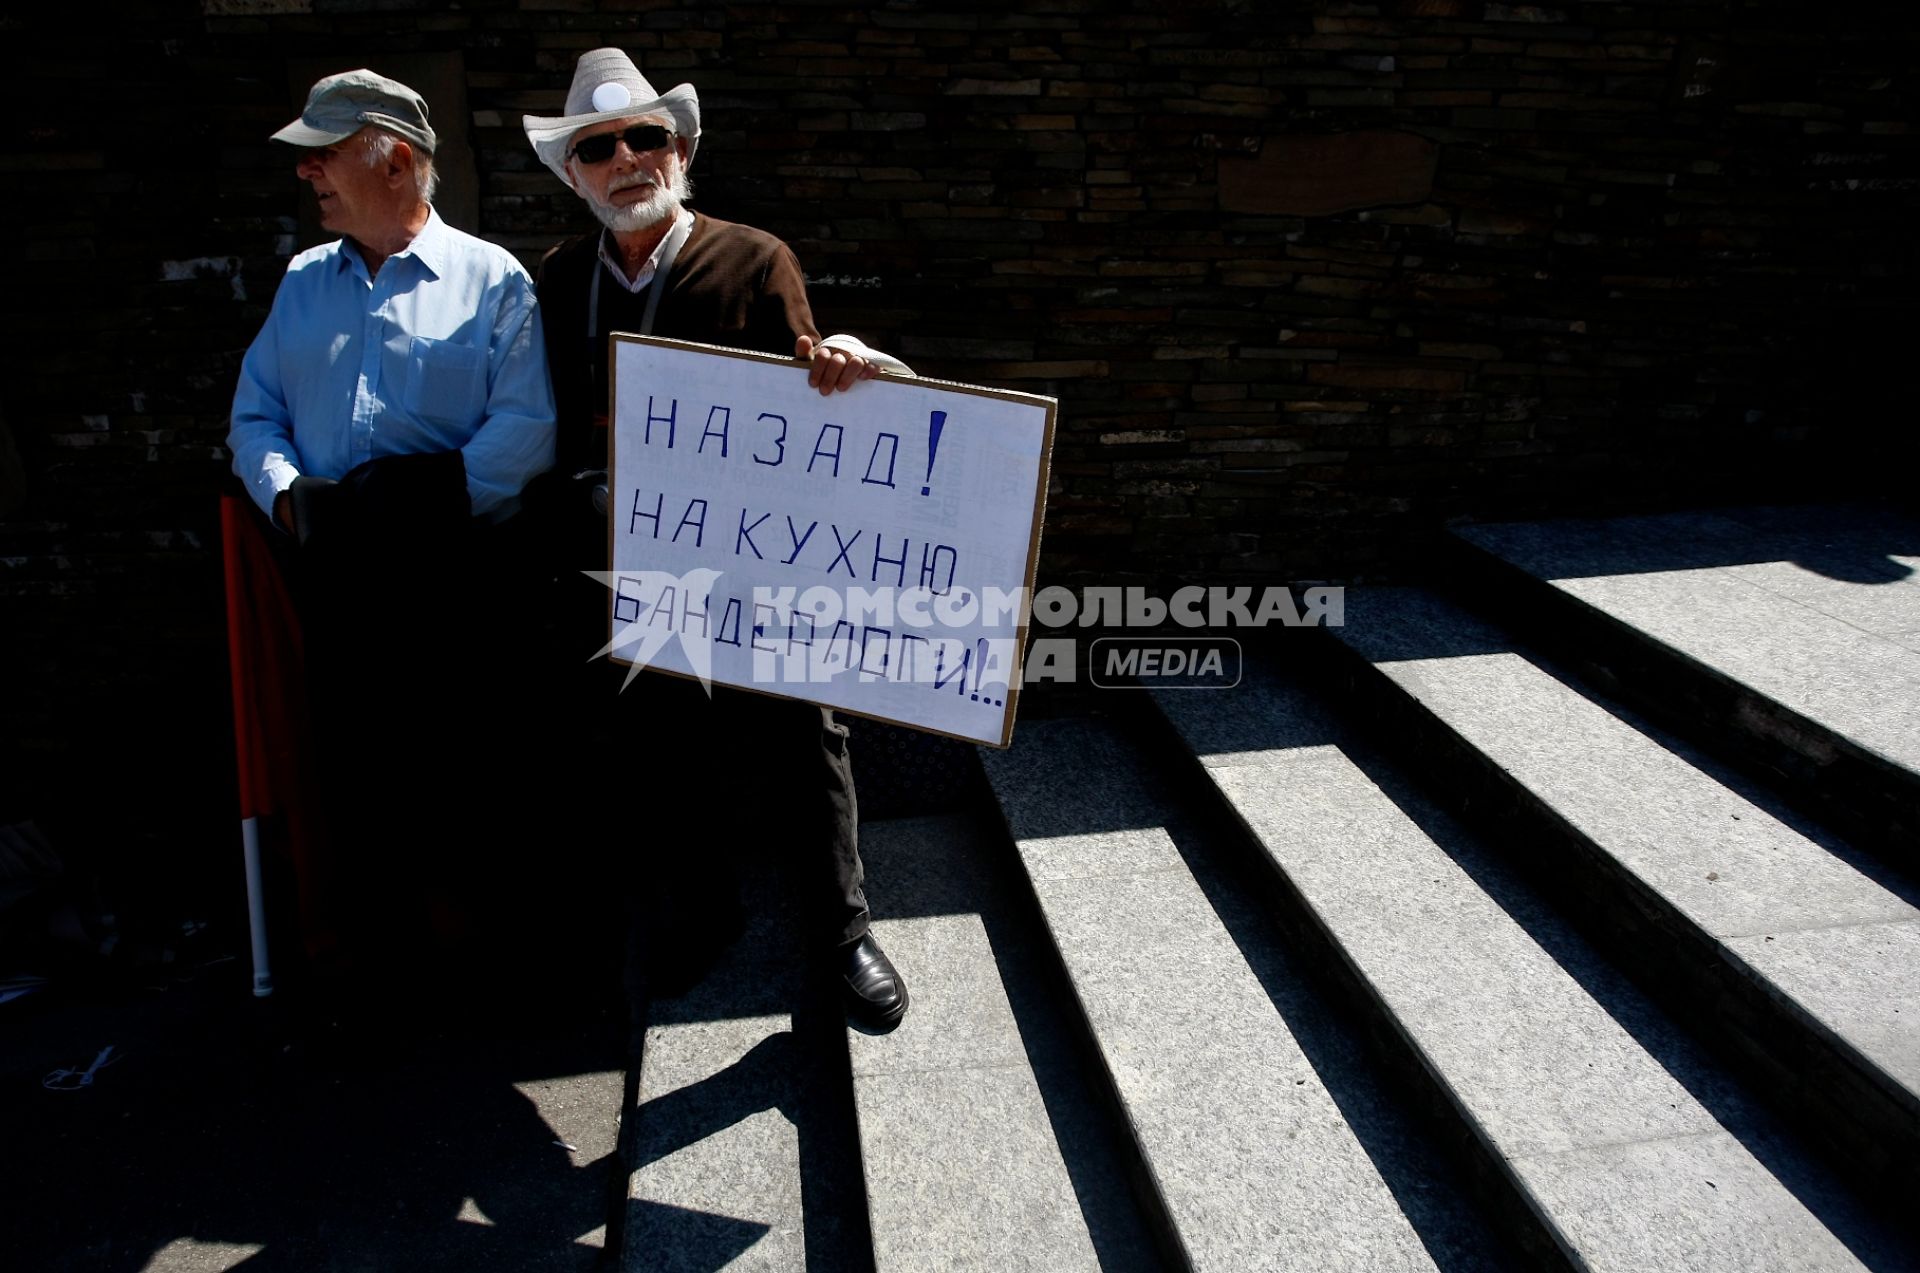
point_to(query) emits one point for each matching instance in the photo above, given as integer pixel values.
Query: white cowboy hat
(607, 85)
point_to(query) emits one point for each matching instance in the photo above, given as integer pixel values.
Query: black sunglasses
(641, 138)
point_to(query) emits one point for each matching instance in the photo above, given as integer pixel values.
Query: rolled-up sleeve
(515, 441)
(260, 431)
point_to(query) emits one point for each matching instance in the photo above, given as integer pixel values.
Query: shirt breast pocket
(446, 383)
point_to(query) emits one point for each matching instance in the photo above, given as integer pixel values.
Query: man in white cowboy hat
(394, 405)
(657, 267)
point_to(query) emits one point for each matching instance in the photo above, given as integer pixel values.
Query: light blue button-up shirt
(439, 351)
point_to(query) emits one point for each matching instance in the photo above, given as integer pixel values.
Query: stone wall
(1307, 278)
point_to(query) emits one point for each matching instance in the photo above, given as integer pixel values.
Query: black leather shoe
(876, 995)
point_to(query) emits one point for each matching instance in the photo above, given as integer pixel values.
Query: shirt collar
(429, 247)
(609, 259)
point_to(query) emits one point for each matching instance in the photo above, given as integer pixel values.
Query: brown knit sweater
(732, 285)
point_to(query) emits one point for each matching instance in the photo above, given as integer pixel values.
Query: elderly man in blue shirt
(403, 336)
(388, 415)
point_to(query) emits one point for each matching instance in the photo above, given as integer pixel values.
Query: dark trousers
(410, 755)
(675, 778)
(689, 778)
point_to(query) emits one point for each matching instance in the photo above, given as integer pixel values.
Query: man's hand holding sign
(870, 552)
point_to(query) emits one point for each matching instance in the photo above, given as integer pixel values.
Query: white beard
(664, 202)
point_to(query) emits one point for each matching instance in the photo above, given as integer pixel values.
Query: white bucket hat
(607, 85)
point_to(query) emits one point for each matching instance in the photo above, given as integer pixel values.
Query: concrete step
(739, 1138)
(1790, 636)
(1610, 1159)
(983, 1143)
(1264, 1137)
(1808, 964)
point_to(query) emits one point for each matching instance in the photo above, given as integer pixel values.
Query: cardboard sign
(872, 550)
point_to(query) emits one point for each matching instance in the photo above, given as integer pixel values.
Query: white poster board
(872, 550)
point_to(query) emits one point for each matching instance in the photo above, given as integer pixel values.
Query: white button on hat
(611, 97)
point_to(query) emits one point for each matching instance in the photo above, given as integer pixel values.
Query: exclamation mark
(934, 426)
(979, 673)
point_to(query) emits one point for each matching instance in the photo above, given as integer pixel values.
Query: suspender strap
(593, 299)
(676, 238)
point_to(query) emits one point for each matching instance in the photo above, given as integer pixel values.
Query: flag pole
(247, 741)
(256, 907)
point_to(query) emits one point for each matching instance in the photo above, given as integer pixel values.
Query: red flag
(272, 741)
